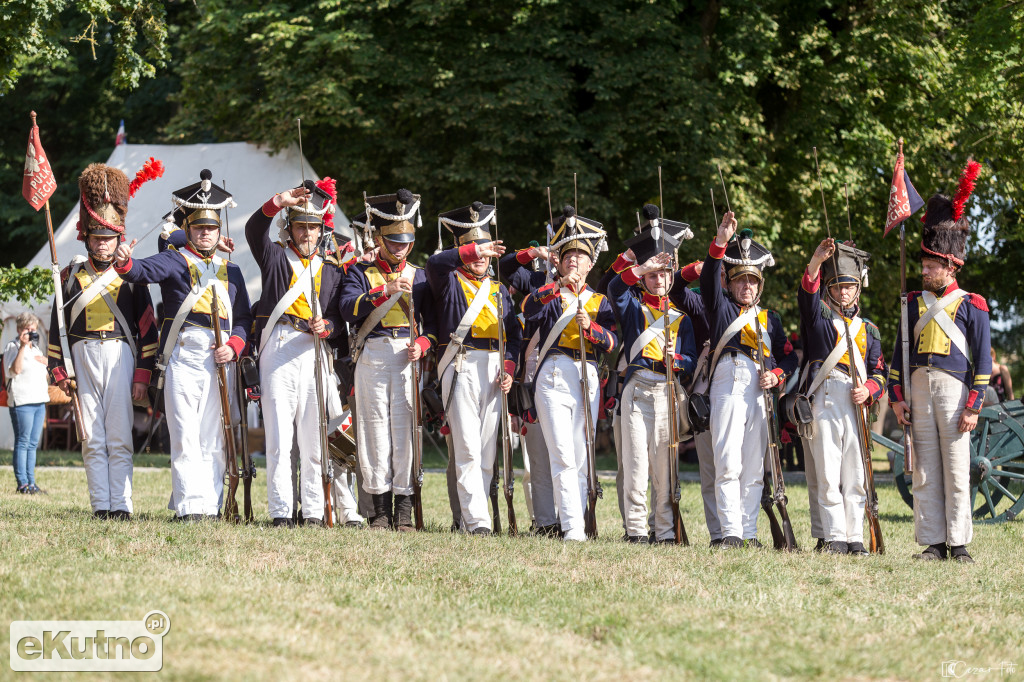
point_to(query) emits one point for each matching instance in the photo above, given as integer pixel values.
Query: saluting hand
(821, 254)
(403, 284)
(657, 262)
(124, 253)
(292, 197)
(727, 229)
(494, 249)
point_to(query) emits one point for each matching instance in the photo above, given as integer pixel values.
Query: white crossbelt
(98, 289)
(300, 288)
(937, 310)
(837, 353)
(480, 299)
(376, 315)
(655, 332)
(571, 303)
(734, 327)
(207, 279)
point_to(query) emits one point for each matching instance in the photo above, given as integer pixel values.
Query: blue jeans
(28, 426)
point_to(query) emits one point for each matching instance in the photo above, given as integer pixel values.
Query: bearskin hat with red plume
(945, 230)
(104, 202)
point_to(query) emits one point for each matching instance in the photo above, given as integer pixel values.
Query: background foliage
(452, 98)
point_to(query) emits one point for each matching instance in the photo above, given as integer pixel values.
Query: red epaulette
(978, 302)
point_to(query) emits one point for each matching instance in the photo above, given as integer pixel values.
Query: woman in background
(1000, 380)
(25, 366)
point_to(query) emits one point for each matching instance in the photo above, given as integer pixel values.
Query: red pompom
(330, 186)
(151, 170)
(966, 186)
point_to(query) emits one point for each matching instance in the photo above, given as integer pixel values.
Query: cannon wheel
(997, 464)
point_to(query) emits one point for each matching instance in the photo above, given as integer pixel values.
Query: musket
(863, 435)
(58, 302)
(594, 490)
(417, 421)
(248, 466)
(509, 479)
(908, 429)
(774, 493)
(326, 465)
(678, 528)
(230, 503)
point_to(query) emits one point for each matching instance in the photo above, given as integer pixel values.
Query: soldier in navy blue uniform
(285, 323)
(564, 311)
(376, 297)
(835, 472)
(525, 271)
(739, 426)
(950, 367)
(112, 341)
(469, 367)
(187, 357)
(647, 447)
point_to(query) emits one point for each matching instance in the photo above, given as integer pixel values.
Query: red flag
(38, 184)
(899, 200)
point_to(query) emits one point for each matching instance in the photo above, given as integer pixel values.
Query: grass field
(261, 603)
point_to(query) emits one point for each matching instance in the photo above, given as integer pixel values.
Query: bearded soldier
(469, 367)
(564, 311)
(838, 487)
(378, 296)
(299, 300)
(950, 364)
(645, 406)
(113, 340)
(739, 426)
(188, 276)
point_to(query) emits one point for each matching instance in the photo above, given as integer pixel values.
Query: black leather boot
(403, 513)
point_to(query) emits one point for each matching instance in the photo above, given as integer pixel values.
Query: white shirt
(28, 387)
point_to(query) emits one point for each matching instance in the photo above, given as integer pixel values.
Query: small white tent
(251, 173)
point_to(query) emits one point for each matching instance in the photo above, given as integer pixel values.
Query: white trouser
(346, 507)
(558, 397)
(104, 371)
(519, 437)
(291, 415)
(541, 494)
(472, 414)
(384, 416)
(835, 449)
(739, 433)
(646, 454)
(617, 440)
(706, 463)
(811, 473)
(942, 485)
(192, 403)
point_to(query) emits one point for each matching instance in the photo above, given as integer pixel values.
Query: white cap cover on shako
(198, 204)
(469, 224)
(317, 209)
(579, 233)
(391, 216)
(657, 235)
(746, 257)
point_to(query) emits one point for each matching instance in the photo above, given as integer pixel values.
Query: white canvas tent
(251, 173)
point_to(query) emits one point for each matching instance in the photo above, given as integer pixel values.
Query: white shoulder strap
(937, 310)
(739, 323)
(571, 302)
(837, 353)
(208, 278)
(655, 332)
(301, 287)
(90, 293)
(377, 314)
(458, 337)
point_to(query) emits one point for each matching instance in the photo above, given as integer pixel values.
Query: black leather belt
(390, 333)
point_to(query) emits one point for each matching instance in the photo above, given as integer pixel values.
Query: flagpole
(58, 302)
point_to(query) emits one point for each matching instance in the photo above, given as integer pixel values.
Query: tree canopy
(452, 98)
